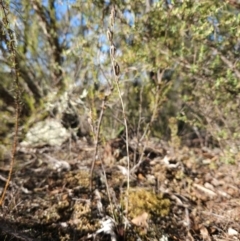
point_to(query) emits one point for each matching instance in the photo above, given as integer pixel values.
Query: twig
(149, 124)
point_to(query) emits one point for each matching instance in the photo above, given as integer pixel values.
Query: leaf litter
(185, 194)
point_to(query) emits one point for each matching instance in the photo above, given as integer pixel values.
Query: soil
(172, 194)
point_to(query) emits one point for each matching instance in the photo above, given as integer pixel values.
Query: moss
(82, 219)
(52, 214)
(80, 178)
(142, 200)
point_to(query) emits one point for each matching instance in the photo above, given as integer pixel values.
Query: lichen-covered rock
(48, 132)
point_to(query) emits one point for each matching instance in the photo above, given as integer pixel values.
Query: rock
(48, 132)
(232, 232)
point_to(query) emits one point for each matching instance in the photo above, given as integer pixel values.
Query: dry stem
(12, 49)
(116, 73)
(96, 140)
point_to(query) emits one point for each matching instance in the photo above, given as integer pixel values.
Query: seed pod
(109, 35)
(112, 50)
(116, 69)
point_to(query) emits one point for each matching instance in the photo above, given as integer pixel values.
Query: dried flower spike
(116, 69)
(112, 50)
(109, 35)
(112, 15)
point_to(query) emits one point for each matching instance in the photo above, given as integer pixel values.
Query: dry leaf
(189, 237)
(205, 234)
(141, 220)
